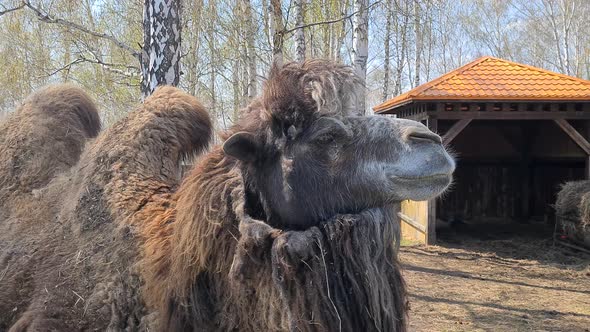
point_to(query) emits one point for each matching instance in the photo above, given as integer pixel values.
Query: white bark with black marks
(160, 56)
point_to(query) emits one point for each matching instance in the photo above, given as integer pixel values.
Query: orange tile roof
(489, 78)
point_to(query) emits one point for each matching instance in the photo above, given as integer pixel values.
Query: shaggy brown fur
(44, 137)
(68, 251)
(270, 280)
(342, 275)
(115, 231)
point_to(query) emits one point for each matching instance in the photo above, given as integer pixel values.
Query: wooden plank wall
(489, 176)
(494, 190)
(418, 213)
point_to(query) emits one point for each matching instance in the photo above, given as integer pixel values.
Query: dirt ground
(491, 278)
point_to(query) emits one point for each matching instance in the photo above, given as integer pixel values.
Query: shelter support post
(525, 169)
(587, 170)
(431, 225)
(578, 139)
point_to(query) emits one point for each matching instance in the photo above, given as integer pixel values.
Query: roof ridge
(554, 85)
(428, 85)
(454, 73)
(544, 71)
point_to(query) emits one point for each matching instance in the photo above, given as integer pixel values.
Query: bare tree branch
(111, 67)
(343, 18)
(6, 11)
(66, 67)
(131, 71)
(53, 20)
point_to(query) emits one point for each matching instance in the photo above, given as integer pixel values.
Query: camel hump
(44, 137)
(141, 155)
(183, 112)
(66, 103)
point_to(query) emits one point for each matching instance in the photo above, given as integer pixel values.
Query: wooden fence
(414, 221)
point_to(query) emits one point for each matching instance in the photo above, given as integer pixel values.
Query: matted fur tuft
(297, 93)
(328, 88)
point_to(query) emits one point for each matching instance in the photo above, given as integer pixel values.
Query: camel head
(306, 156)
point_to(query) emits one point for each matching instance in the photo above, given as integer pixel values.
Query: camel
(289, 224)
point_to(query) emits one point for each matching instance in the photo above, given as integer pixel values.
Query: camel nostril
(423, 134)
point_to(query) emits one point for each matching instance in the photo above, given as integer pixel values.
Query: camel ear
(242, 146)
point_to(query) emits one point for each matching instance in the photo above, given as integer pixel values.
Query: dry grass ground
(501, 281)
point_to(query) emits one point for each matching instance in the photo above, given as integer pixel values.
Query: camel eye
(325, 138)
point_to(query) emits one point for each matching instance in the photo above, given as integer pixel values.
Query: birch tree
(360, 43)
(250, 48)
(227, 45)
(386, 46)
(211, 38)
(299, 30)
(160, 55)
(401, 46)
(418, 39)
(278, 31)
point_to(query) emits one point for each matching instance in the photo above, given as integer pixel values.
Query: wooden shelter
(518, 131)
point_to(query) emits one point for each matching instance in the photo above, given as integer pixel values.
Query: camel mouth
(422, 180)
(425, 178)
(419, 188)
(428, 175)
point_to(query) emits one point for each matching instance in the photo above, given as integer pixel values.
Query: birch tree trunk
(160, 56)
(299, 33)
(360, 47)
(341, 33)
(401, 30)
(213, 57)
(278, 31)
(386, 69)
(250, 49)
(418, 39)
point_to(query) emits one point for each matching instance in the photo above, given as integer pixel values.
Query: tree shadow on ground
(498, 317)
(489, 278)
(511, 241)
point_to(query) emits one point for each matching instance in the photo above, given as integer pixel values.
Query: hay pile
(572, 209)
(573, 202)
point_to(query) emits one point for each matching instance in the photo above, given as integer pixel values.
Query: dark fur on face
(303, 162)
